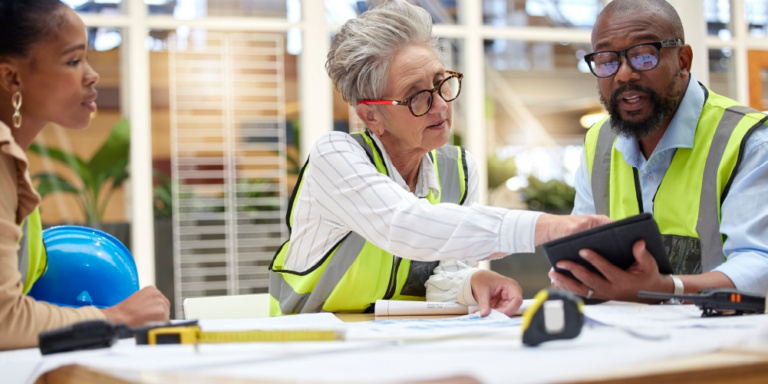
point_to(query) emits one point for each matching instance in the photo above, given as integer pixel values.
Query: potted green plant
(97, 179)
(553, 196)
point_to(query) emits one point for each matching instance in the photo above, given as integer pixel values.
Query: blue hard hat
(85, 267)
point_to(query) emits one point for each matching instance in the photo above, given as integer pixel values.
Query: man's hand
(552, 227)
(143, 306)
(492, 290)
(617, 284)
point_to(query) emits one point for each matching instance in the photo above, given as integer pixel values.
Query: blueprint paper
(472, 325)
(183, 358)
(127, 356)
(18, 370)
(488, 349)
(28, 364)
(491, 360)
(665, 316)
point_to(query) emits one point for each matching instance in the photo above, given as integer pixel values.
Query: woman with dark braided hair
(44, 78)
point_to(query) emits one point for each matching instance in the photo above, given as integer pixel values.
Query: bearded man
(697, 160)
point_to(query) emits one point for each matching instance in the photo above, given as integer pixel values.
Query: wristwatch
(679, 290)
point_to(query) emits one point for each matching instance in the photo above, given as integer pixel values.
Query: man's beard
(662, 109)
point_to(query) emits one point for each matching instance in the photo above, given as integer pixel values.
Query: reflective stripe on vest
(344, 281)
(24, 253)
(31, 253)
(688, 201)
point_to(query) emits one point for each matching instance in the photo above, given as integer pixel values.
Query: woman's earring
(16, 101)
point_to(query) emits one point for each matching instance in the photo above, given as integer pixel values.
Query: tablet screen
(613, 242)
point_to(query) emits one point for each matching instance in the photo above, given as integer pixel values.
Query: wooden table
(748, 365)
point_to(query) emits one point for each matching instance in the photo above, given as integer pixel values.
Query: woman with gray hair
(392, 213)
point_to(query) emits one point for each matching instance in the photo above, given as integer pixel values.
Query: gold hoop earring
(16, 101)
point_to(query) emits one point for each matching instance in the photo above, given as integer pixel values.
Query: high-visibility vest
(355, 273)
(32, 257)
(688, 201)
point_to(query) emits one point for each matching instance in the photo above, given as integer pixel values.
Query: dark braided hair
(24, 23)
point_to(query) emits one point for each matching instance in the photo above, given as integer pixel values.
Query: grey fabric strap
(23, 252)
(708, 224)
(448, 168)
(601, 169)
(280, 290)
(345, 255)
(743, 109)
(368, 150)
(312, 302)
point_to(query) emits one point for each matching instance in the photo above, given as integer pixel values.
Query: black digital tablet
(613, 242)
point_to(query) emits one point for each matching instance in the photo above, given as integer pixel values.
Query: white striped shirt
(344, 192)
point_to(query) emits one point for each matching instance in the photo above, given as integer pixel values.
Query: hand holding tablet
(613, 242)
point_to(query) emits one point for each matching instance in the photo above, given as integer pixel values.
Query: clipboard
(613, 242)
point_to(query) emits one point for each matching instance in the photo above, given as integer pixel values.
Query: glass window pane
(224, 128)
(756, 13)
(722, 72)
(539, 98)
(104, 7)
(542, 13)
(195, 9)
(339, 11)
(764, 86)
(718, 16)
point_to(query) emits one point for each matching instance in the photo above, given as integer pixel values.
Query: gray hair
(363, 50)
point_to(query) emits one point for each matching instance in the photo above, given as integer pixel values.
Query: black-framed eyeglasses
(421, 102)
(641, 57)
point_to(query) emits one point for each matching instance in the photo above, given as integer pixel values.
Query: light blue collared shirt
(744, 211)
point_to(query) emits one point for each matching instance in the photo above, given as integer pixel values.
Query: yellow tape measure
(194, 335)
(554, 315)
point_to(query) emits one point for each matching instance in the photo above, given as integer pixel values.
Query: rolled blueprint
(418, 308)
(426, 308)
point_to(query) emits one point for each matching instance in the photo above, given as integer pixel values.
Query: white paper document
(489, 359)
(472, 325)
(428, 308)
(665, 316)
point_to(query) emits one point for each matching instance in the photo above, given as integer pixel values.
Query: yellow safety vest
(32, 257)
(688, 201)
(356, 273)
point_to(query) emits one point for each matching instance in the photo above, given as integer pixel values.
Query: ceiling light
(590, 119)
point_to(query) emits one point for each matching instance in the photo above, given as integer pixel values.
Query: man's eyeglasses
(641, 57)
(421, 102)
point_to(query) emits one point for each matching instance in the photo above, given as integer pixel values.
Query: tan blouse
(21, 317)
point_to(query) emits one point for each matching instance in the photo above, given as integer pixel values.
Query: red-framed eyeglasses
(421, 102)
